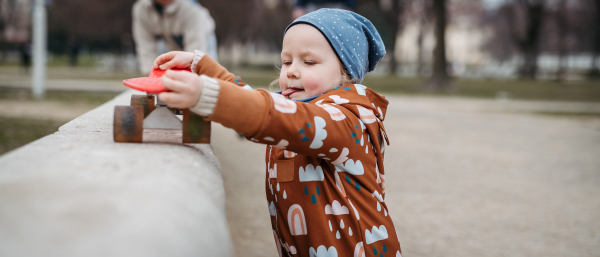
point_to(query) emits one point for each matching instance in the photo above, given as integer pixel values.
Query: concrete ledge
(78, 193)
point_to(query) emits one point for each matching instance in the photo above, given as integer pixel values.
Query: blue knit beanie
(353, 38)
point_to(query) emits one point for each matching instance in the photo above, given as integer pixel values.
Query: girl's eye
(286, 63)
(309, 63)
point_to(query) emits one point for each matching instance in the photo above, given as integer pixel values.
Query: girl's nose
(292, 72)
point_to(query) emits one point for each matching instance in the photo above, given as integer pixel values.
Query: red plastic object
(146, 84)
(157, 73)
(151, 84)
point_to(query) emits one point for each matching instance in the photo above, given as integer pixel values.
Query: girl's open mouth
(291, 90)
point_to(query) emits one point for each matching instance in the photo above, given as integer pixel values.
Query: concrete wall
(78, 193)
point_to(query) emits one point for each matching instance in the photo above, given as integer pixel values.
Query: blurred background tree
(594, 21)
(437, 39)
(439, 79)
(96, 24)
(525, 19)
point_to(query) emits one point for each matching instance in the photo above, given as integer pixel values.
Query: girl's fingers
(161, 59)
(170, 98)
(174, 85)
(185, 87)
(165, 97)
(180, 75)
(170, 64)
(174, 99)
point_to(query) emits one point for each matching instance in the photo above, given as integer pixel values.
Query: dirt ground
(464, 177)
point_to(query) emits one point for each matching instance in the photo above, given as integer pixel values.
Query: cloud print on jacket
(322, 251)
(320, 133)
(283, 105)
(360, 89)
(311, 173)
(336, 208)
(376, 234)
(334, 112)
(354, 168)
(338, 100)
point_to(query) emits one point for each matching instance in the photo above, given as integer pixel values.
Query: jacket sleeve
(145, 43)
(209, 67)
(325, 131)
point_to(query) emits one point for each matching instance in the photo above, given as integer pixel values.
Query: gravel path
(465, 177)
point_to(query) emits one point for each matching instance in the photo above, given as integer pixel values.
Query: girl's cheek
(313, 86)
(282, 81)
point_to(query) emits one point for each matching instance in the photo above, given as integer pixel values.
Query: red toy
(145, 112)
(151, 84)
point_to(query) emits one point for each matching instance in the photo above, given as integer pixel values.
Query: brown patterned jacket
(325, 179)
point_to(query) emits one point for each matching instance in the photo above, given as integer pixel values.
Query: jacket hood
(359, 95)
(369, 106)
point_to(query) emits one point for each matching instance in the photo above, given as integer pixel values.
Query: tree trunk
(420, 46)
(535, 12)
(561, 24)
(393, 61)
(439, 79)
(594, 69)
(528, 44)
(392, 18)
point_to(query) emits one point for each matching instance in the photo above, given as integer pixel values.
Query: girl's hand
(186, 89)
(174, 59)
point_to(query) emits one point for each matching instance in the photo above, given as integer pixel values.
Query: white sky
(492, 4)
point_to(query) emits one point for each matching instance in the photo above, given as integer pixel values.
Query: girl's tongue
(290, 91)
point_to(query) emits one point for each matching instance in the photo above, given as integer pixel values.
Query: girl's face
(309, 65)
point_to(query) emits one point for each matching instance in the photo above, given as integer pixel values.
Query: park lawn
(588, 91)
(15, 132)
(18, 131)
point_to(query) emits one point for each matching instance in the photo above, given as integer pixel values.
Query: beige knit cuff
(197, 56)
(208, 100)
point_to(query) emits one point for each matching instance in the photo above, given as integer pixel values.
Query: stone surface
(78, 193)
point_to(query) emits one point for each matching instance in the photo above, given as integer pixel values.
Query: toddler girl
(325, 179)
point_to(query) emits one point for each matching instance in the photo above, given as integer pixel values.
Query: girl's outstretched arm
(330, 130)
(199, 62)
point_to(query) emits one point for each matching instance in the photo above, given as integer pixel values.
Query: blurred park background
(506, 49)
(537, 60)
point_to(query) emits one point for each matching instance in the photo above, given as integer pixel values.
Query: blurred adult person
(174, 25)
(303, 7)
(16, 18)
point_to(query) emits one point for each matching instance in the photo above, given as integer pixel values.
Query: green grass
(68, 97)
(588, 91)
(15, 132)
(569, 114)
(84, 60)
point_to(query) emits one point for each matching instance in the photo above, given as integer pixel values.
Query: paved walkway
(465, 177)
